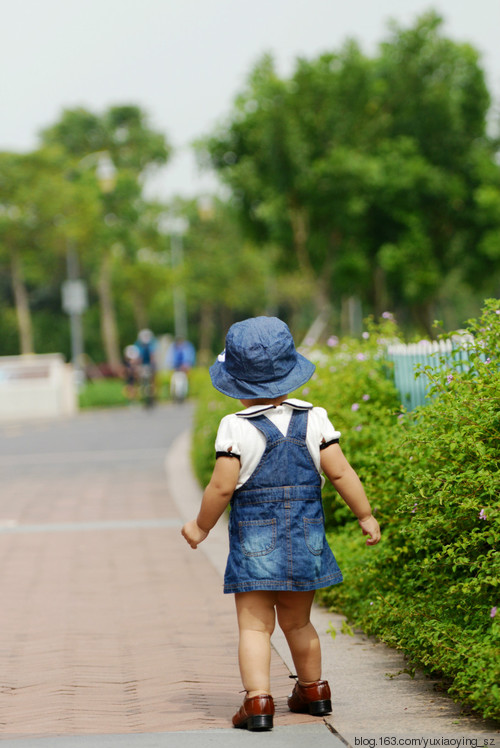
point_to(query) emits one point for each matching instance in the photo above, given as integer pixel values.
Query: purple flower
(366, 397)
(387, 315)
(414, 508)
(482, 514)
(305, 391)
(360, 356)
(355, 407)
(449, 378)
(493, 612)
(358, 428)
(365, 335)
(310, 341)
(332, 341)
(371, 603)
(488, 360)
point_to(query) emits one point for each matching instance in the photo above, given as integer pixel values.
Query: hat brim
(241, 389)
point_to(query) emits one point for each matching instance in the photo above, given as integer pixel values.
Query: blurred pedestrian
(131, 364)
(181, 358)
(146, 345)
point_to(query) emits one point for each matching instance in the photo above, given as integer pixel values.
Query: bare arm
(345, 480)
(216, 497)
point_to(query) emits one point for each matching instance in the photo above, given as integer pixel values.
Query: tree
(365, 171)
(223, 274)
(144, 272)
(124, 149)
(40, 212)
(436, 100)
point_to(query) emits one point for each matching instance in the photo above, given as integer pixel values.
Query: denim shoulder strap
(297, 428)
(266, 427)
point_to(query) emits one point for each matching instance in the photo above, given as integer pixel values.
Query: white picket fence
(407, 358)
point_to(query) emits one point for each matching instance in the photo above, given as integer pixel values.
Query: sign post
(74, 303)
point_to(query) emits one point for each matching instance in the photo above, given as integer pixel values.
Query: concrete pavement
(114, 632)
(279, 737)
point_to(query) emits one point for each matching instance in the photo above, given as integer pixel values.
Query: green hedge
(102, 393)
(430, 588)
(110, 392)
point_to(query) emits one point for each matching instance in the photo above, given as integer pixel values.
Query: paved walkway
(109, 623)
(113, 632)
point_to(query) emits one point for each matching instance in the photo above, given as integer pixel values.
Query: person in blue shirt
(181, 355)
(181, 358)
(146, 345)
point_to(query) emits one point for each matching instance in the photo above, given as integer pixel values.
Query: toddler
(269, 460)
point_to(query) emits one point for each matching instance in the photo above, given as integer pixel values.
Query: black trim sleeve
(226, 454)
(327, 444)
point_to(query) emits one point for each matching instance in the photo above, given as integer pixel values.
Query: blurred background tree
(373, 176)
(354, 185)
(40, 212)
(123, 149)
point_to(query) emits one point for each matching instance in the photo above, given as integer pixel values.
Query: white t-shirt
(237, 436)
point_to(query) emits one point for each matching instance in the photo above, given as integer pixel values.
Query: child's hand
(370, 526)
(193, 533)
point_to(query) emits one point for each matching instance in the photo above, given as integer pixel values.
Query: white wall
(36, 386)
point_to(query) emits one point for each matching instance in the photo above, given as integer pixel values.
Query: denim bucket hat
(260, 360)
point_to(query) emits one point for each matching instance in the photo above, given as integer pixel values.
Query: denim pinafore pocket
(257, 537)
(276, 526)
(314, 532)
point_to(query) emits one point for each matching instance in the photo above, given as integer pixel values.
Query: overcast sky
(183, 61)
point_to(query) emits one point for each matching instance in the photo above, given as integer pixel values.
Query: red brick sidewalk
(104, 627)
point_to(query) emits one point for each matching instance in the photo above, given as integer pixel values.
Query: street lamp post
(74, 302)
(176, 227)
(74, 289)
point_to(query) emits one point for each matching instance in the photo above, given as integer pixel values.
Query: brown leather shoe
(314, 698)
(255, 713)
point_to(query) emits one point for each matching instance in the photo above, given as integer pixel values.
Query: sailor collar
(257, 410)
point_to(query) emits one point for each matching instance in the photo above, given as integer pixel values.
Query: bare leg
(256, 620)
(294, 610)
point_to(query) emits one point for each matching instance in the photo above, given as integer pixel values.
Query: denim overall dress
(276, 524)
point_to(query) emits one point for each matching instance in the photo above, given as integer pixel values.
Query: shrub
(212, 406)
(110, 392)
(102, 393)
(430, 586)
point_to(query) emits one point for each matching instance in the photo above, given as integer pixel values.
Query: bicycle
(147, 385)
(179, 386)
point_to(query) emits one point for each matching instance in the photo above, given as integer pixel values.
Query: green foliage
(430, 587)
(123, 131)
(109, 154)
(102, 393)
(226, 276)
(373, 176)
(211, 407)
(8, 325)
(352, 381)
(110, 392)
(356, 176)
